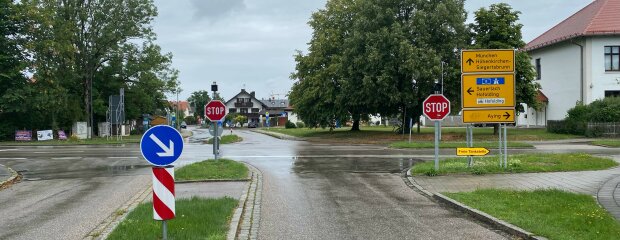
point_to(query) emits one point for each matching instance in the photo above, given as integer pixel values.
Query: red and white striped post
(163, 195)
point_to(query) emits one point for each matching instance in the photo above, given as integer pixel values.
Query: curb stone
(246, 219)
(213, 180)
(15, 176)
(277, 135)
(475, 213)
(105, 228)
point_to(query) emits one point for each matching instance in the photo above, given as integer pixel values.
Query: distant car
(183, 125)
(253, 125)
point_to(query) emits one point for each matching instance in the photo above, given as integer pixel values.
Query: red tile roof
(183, 105)
(541, 98)
(601, 17)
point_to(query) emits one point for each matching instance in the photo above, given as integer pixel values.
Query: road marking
(4, 150)
(59, 152)
(123, 157)
(67, 158)
(12, 158)
(337, 156)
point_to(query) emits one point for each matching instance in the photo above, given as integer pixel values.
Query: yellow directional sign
(478, 61)
(488, 90)
(489, 115)
(472, 151)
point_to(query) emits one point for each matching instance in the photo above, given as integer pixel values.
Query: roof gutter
(580, 68)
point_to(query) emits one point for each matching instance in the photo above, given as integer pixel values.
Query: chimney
(253, 94)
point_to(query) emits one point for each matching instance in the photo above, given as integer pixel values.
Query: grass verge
(607, 143)
(93, 141)
(553, 214)
(212, 169)
(428, 144)
(381, 134)
(196, 218)
(226, 139)
(517, 164)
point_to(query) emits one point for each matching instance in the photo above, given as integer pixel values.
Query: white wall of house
(601, 80)
(231, 104)
(560, 78)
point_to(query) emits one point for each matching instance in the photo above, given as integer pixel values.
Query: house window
(612, 58)
(255, 110)
(538, 69)
(612, 94)
(232, 110)
(243, 110)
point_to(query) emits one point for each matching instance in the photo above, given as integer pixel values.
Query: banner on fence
(23, 135)
(62, 135)
(45, 135)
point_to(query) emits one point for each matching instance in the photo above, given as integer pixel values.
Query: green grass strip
(212, 169)
(427, 144)
(196, 218)
(541, 162)
(227, 139)
(607, 143)
(553, 214)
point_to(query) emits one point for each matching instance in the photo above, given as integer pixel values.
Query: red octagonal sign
(215, 110)
(436, 107)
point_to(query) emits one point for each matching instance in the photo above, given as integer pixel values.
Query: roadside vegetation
(553, 214)
(607, 143)
(93, 141)
(227, 139)
(588, 120)
(522, 163)
(196, 218)
(387, 135)
(431, 144)
(212, 169)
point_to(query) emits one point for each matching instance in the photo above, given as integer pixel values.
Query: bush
(190, 120)
(577, 119)
(289, 124)
(300, 124)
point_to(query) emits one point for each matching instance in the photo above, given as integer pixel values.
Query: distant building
(184, 107)
(255, 110)
(578, 60)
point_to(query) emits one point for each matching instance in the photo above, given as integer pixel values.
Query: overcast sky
(252, 42)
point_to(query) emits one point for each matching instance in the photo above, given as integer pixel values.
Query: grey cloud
(213, 10)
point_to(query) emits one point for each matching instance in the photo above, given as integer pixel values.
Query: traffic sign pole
(436, 145)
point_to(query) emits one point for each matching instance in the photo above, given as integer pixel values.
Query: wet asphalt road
(310, 191)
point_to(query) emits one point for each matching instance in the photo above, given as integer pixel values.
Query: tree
(240, 119)
(497, 28)
(74, 40)
(199, 99)
(372, 56)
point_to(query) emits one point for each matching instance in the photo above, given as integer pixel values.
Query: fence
(606, 130)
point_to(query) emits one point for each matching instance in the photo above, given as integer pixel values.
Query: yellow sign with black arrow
(487, 60)
(488, 115)
(472, 151)
(488, 90)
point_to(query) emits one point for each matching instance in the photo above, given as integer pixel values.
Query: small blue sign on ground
(491, 81)
(161, 145)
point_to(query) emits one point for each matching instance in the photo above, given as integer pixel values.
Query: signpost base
(165, 229)
(437, 145)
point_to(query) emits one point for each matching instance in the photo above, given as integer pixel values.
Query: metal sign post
(436, 107)
(161, 146)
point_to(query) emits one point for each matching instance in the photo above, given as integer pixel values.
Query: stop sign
(436, 107)
(215, 110)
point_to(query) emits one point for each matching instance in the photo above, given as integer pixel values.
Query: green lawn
(94, 141)
(196, 218)
(553, 214)
(430, 144)
(518, 164)
(607, 143)
(212, 169)
(385, 135)
(226, 139)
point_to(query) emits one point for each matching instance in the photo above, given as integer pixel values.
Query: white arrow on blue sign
(161, 145)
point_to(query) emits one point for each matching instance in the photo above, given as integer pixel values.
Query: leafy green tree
(373, 56)
(498, 28)
(199, 99)
(240, 119)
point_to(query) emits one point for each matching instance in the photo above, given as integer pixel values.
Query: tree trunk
(356, 122)
(496, 129)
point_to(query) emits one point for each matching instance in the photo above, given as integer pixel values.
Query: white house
(578, 60)
(247, 104)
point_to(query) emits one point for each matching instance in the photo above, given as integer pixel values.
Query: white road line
(123, 157)
(59, 152)
(67, 158)
(337, 156)
(12, 158)
(4, 150)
